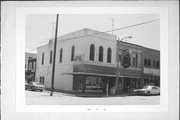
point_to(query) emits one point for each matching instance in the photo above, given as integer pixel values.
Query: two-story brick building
(86, 61)
(151, 66)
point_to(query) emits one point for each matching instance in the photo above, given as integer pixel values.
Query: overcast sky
(40, 27)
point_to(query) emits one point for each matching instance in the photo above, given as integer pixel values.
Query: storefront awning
(96, 74)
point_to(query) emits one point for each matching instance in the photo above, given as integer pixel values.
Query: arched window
(50, 61)
(42, 62)
(91, 57)
(109, 55)
(72, 53)
(101, 54)
(61, 54)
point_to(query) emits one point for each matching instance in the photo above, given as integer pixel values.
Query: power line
(114, 29)
(109, 21)
(111, 30)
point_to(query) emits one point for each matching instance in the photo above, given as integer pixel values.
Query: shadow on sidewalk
(90, 94)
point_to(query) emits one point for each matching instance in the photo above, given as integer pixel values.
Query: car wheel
(41, 90)
(148, 93)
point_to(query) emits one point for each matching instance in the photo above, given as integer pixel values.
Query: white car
(148, 90)
(36, 86)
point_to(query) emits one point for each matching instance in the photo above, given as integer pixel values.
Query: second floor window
(109, 55)
(50, 61)
(149, 62)
(92, 51)
(101, 54)
(32, 65)
(42, 62)
(135, 57)
(157, 64)
(145, 62)
(61, 54)
(121, 59)
(154, 63)
(72, 53)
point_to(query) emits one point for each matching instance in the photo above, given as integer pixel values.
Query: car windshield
(146, 87)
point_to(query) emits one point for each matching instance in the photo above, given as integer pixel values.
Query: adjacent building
(151, 66)
(30, 66)
(86, 62)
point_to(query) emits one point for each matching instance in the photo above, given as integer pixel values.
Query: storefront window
(94, 83)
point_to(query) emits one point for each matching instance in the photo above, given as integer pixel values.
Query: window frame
(109, 55)
(149, 62)
(72, 52)
(61, 55)
(92, 52)
(101, 52)
(51, 55)
(42, 60)
(145, 62)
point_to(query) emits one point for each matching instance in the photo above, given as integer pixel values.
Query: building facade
(86, 62)
(151, 67)
(28, 56)
(30, 67)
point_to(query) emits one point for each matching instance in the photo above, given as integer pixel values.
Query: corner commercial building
(86, 61)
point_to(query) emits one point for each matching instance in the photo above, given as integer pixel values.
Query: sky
(41, 27)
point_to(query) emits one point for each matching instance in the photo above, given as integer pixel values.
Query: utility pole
(112, 25)
(117, 69)
(54, 56)
(117, 58)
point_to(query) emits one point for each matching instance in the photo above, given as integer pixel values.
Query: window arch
(61, 54)
(109, 55)
(101, 54)
(92, 51)
(51, 55)
(72, 53)
(42, 62)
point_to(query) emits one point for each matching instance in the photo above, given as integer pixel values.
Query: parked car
(148, 90)
(35, 86)
(26, 86)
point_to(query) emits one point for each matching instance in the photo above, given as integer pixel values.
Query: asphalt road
(44, 98)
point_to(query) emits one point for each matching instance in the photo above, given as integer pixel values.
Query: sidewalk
(102, 95)
(93, 94)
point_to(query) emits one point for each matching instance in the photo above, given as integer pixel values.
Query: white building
(70, 46)
(86, 61)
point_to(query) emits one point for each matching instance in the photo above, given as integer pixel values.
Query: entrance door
(126, 84)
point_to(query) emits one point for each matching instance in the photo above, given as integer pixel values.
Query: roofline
(152, 49)
(130, 43)
(31, 53)
(98, 32)
(139, 46)
(42, 46)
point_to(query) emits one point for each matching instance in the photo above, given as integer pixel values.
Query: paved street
(43, 98)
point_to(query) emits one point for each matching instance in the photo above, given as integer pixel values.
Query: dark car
(26, 86)
(35, 86)
(148, 90)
